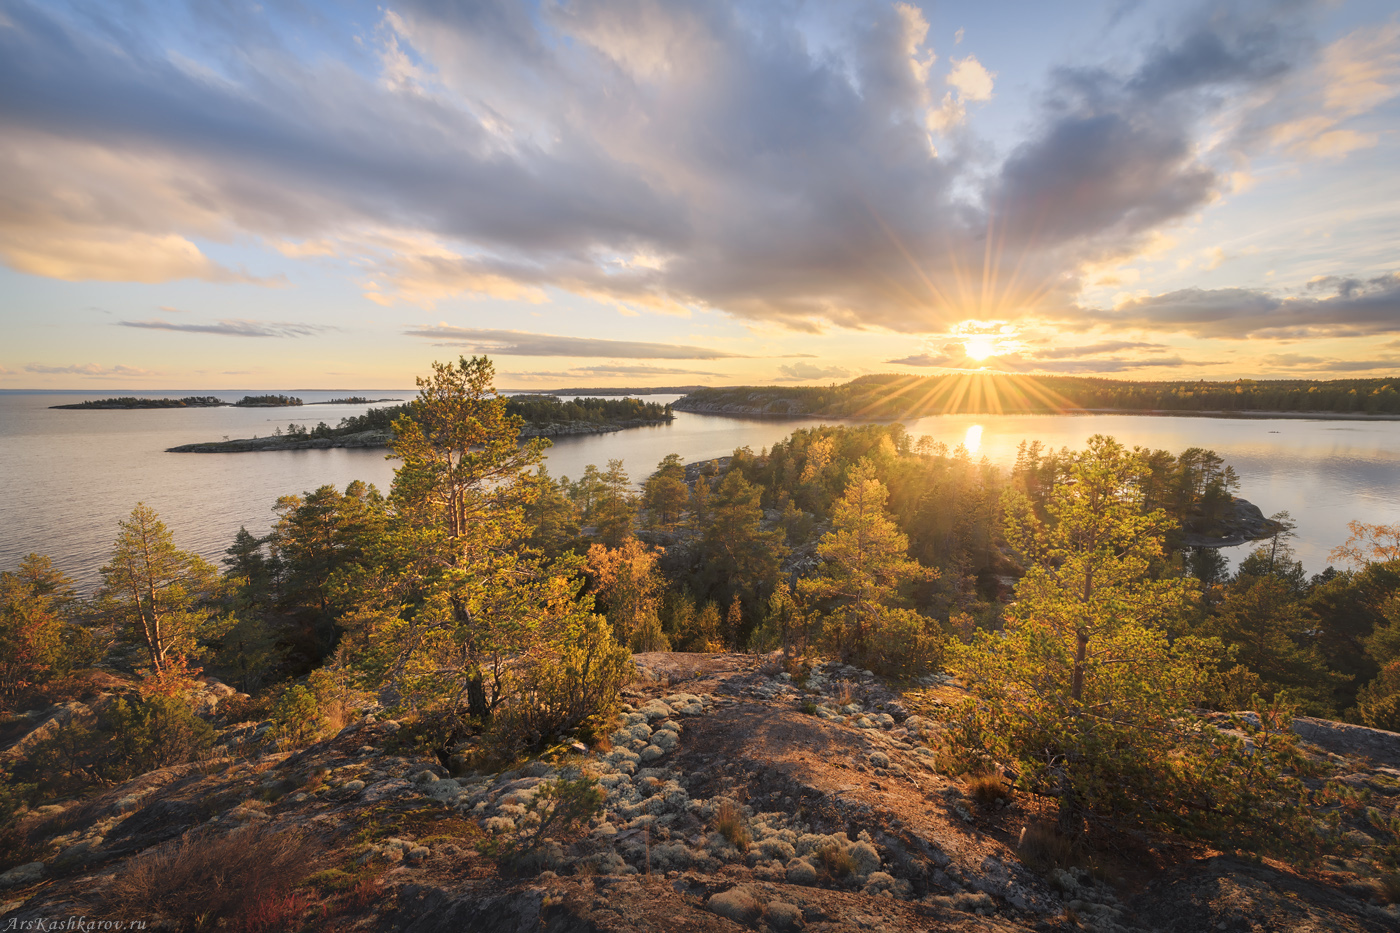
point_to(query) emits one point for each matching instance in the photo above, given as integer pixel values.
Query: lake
(72, 475)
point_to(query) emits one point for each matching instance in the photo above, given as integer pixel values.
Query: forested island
(354, 400)
(130, 402)
(899, 396)
(267, 401)
(194, 401)
(541, 415)
(851, 675)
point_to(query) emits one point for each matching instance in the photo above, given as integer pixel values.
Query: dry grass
(843, 692)
(730, 823)
(245, 877)
(1043, 847)
(986, 789)
(338, 715)
(1390, 886)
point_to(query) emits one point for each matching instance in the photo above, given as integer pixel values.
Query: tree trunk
(1081, 652)
(476, 698)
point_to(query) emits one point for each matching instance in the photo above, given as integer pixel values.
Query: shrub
(559, 695)
(133, 735)
(837, 861)
(244, 877)
(298, 717)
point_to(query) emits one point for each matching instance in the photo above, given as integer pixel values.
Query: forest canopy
(901, 396)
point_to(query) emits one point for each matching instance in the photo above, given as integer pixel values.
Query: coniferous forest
(493, 611)
(904, 396)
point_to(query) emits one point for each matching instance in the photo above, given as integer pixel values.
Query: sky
(657, 192)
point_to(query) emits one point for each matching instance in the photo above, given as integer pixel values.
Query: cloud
(972, 80)
(235, 328)
(658, 156)
(90, 369)
(1096, 349)
(951, 355)
(520, 343)
(1110, 364)
(1330, 307)
(578, 372)
(1353, 75)
(1315, 364)
(801, 372)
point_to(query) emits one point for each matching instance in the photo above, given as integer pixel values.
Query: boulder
(27, 874)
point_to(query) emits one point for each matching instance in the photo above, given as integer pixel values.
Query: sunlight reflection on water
(973, 439)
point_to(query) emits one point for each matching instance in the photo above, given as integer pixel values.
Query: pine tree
(480, 611)
(741, 558)
(1083, 693)
(865, 562)
(665, 494)
(617, 506)
(39, 638)
(157, 594)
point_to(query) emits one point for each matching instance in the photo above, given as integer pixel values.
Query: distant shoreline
(735, 411)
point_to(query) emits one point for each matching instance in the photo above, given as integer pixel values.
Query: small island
(267, 401)
(544, 416)
(128, 402)
(353, 400)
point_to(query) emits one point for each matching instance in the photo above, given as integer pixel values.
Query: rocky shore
(382, 438)
(761, 404)
(735, 796)
(1244, 523)
(251, 444)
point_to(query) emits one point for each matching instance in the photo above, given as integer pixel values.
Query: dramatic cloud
(235, 328)
(520, 343)
(1329, 307)
(806, 169)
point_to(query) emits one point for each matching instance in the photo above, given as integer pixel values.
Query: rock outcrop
(736, 797)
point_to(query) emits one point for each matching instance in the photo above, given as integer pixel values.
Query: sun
(979, 348)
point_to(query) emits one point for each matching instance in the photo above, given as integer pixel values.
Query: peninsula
(544, 416)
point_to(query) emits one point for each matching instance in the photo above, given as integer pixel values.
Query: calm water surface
(72, 475)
